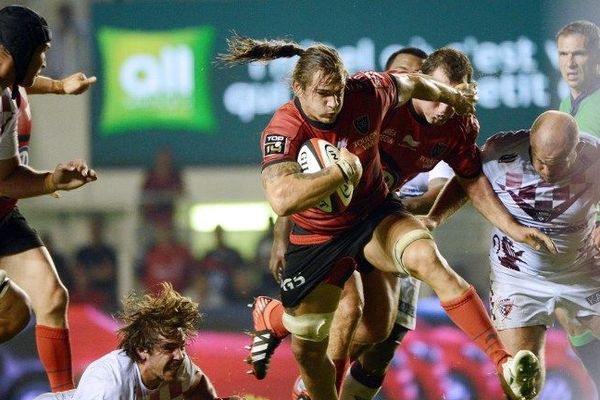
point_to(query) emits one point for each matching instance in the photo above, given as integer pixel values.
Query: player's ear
(142, 353)
(297, 88)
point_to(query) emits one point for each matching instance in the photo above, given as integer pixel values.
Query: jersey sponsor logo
(275, 144)
(593, 299)
(505, 251)
(507, 158)
(438, 150)
(362, 124)
(410, 142)
(292, 283)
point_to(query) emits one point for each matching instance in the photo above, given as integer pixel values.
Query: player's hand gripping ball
(316, 154)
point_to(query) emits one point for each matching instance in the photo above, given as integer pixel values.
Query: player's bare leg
(317, 369)
(532, 338)
(15, 308)
(35, 273)
(584, 336)
(345, 321)
(403, 244)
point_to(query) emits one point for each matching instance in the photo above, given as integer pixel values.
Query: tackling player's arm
(281, 238)
(19, 181)
(484, 199)
(289, 190)
(76, 83)
(419, 205)
(462, 97)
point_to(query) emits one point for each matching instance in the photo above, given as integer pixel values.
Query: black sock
(372, 381)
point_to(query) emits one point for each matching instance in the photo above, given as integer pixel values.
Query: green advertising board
(159, 84)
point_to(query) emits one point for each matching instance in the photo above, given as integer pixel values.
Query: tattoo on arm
(276, 171)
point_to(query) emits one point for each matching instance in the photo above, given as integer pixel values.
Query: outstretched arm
(451, 198)
(72, 84)
(462, 97)
(484, 199)
(19, 181)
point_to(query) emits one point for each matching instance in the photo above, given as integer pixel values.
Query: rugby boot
(265, 338)
(520, 376)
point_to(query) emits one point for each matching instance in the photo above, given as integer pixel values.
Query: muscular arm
(72, 84)
(19, 181)
(484, 199)
(418, 86)
(422, 204)
(281, 238)
(288, 190)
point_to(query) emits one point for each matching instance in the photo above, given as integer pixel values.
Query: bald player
(547, 177)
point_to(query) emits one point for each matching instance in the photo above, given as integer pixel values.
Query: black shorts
(308, 265)
(16, 236)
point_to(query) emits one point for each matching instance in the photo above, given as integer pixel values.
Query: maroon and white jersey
(23, 127)
(410, 145)
(368, 97)
(565, 210)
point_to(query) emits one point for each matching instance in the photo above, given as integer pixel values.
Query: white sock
(353, 389)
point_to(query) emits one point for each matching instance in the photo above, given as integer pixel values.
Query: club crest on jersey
(438, 150)
(362, 124)
(275, 144)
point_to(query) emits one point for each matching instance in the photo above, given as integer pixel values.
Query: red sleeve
(282, 138)
(465, 159)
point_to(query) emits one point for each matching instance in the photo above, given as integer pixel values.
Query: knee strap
(402, 243)
(311, 327)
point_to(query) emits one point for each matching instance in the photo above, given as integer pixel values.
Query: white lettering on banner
(171, 73)
(507, 73)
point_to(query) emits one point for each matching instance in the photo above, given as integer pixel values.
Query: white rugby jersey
(115, 376)
(9, 142)
(418, 185)
(565, 210)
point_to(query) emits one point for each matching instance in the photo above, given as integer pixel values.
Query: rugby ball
(316, 154)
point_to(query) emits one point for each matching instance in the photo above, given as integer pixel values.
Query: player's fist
(72, 175)
(466, 98)
(351, 166)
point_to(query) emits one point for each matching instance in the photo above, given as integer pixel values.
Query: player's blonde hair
(155, 315)
(316, 58)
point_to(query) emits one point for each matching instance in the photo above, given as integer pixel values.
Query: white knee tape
(402, 243)
(311, 327)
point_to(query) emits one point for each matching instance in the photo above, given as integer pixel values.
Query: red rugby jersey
(410, 145)
(368, 97)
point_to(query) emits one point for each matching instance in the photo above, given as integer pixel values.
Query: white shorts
(519, 300)
(407, 303)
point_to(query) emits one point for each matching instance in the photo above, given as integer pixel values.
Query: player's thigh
(380, 249)
(34, 271)
(381, 303)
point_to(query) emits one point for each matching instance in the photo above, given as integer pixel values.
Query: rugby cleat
(264, 338)
(521, 376)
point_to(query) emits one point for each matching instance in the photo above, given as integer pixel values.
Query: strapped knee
(401, 245)
(311, 327)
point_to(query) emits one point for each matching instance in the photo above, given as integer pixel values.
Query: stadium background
(158, 86)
